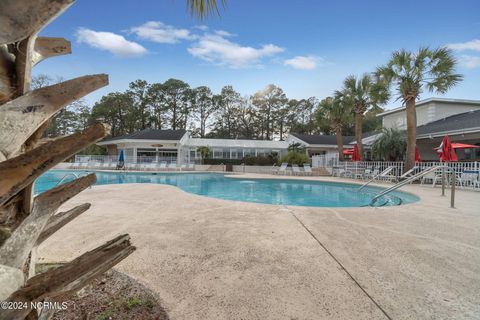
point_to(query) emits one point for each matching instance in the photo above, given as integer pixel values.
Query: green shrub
(234, 162)
(267, 160)
(293, 157)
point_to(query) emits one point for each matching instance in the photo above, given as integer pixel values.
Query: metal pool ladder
(76, 176)
(419, 175)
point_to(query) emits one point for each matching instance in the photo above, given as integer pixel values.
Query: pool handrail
(417, 176)
(384, 172)
(76, 176)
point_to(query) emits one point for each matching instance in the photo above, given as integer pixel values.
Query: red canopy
(457, 145)
(356, 156)
(417, 154)
(348, 151)
(446, 151)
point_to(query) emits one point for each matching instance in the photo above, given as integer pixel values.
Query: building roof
(429, 100)
(236, 143)
(321, 139)
(458, 122)
(151, 134)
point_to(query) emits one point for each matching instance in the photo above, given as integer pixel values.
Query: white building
(178, 146)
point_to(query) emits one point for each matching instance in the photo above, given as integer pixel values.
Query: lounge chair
(307, 169)
(283, 168)
(120, 165)
(386, 176)
(163, 165)
(183, 167)
(371, 174)
(74, 165)
(296, 170)
(410, 173)
(172, 166)
(274, 169)
(83, 165)
(191, 166)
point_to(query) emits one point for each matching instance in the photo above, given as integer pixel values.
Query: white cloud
(304, 62)
(216, 49)
(469, 61)
(201, 27)
(111, 42)
(473, 45)
(157, 31)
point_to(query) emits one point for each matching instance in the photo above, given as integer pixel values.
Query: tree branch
(17, 173)
(20, 118)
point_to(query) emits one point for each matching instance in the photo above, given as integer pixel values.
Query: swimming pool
(270, 191)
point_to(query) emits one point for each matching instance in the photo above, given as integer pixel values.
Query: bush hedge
(293, 157)
(268, 160)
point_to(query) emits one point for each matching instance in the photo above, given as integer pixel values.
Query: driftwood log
(27, 220)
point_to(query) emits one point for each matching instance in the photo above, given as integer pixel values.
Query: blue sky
(305, 47)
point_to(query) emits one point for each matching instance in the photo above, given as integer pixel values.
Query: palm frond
(204, 8)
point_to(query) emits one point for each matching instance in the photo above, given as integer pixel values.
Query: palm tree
(204, 152)
(410, 73)
(390, 145)
(337, 113)
(363, 93)
(204, 8)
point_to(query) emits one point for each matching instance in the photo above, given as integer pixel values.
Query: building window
(249, 152)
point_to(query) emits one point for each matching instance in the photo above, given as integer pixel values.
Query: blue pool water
(271, 191)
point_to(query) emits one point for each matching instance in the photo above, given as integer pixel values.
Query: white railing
(366, 169)
(127, 159)
(328, 160)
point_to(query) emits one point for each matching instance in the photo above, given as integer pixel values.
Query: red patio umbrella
(348, 152)
(447, 153)
(457, 145)
(356, 156)
(417, 154)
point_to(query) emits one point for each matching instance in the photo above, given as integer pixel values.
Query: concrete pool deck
(217, 259)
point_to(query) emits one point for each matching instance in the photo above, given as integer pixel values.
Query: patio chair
(183, 167)
(296, 170)
(162, 166)
(283, 168)
(476, 183)
(172, 166)
(191, 166)
(120, 165)
(307, 170)
(428, 178)
(83, 165)
(408, 174)
(74, 165)
(274, 169)
(130, 166)
(466, 179)
(386, 175)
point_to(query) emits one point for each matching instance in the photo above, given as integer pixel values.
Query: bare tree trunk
(358, 132)
(411, 133)
(339, 137)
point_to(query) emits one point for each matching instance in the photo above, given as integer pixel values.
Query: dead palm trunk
(25, 220)
(339, 138)
(411, 133)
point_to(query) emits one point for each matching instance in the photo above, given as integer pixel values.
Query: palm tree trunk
(338, 136)
(411, 133)
(358, 132)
